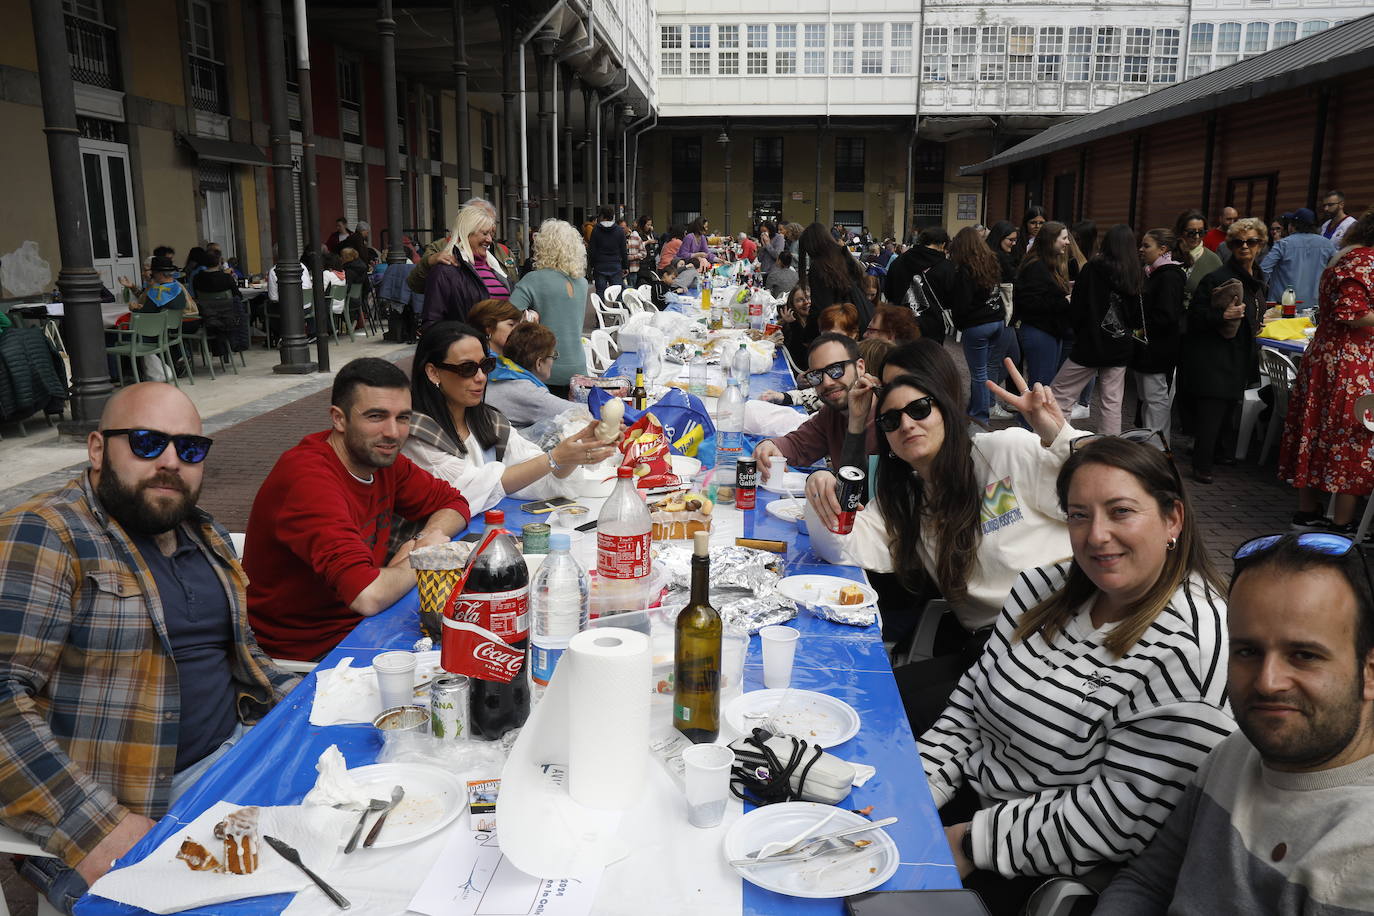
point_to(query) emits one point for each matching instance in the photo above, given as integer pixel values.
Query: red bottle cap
(494, 517)
(623, 472)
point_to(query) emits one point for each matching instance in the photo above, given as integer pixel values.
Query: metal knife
(290, 855)
(397, 793)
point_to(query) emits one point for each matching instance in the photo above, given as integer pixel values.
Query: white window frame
(727, 63)
(903, 34)
(756, 63)
(963, 54)
(785, 63)
(813, 35)
(842, 35)
(842, 62)
(871, 62)
(784, 35)
(1020, 53)
(756, 35)
(699, 63)
(727, 36)
(872, 35)
(670, 37)
(1107, 55)
(699, 37)
(935, 54)
(813, 63)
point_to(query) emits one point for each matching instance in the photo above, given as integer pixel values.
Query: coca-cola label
(478, 652)
(622, 556)
(504, 613)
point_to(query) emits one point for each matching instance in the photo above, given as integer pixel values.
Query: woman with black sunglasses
(1220, 357)
(1190, 228)
(457, 437)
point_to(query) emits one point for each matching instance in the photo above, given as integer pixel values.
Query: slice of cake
(851, 594)
(239, 831)
(197, 857)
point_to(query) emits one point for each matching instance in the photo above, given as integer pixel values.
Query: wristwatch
(966, 844)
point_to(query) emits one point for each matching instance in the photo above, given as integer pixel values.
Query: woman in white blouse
(457, 437)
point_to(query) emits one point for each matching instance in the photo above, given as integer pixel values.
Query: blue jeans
(985, 345)
(1043, 354)
(602, 279)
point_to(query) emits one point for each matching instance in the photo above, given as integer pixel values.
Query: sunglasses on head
(468, 368)
(813, 377)
(1151, 437)
(1332, 545)
(919, 409)
(149, 443)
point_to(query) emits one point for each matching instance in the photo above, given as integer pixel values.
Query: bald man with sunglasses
(127, 665)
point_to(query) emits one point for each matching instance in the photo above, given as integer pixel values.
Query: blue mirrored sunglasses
(149, 443)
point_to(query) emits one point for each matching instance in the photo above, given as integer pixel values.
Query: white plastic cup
(707, 777)
(779, 649)
(777, 468)
(395, 678)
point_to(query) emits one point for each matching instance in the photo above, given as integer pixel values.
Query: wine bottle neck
(701, 581)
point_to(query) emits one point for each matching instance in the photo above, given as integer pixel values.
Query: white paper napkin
(345, 695)
(162, 883)
(764, 419)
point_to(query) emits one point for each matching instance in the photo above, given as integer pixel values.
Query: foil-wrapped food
(851, 615)
(744, 584)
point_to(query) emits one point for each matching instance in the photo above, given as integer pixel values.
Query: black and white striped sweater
(1078, 756)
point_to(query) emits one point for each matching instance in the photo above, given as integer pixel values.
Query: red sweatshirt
(317, 536)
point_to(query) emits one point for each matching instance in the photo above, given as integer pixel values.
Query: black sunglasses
(1151, 437)
(468, 368)
(918, 410)
(1245, 243)
(1194, 232)
(1332, 545)
(149, 443)
(813, 377)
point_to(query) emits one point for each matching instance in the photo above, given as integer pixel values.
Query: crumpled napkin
(345, 695)
(162, 883)
(764, 419)
(334, 786)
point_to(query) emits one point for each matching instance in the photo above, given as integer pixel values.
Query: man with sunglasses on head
(834, 365)
(1277, 819)
(318, 535)
(127, 665)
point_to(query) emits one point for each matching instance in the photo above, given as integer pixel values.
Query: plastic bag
(686, 423)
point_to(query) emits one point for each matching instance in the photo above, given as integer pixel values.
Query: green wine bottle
(696, 658)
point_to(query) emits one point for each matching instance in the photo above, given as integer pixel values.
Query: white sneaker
(1080, 412)
(998, 412)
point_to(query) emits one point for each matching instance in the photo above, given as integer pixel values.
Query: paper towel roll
(598, 693)
(608, 735)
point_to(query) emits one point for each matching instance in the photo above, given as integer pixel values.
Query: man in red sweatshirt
(318, 533)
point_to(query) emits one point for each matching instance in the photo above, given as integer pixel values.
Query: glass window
(844, 35)
(1228, 37)
(1313, 26)
(1107, 65)
(670, 63)
(1257, 38)
(1020, 53)
(1164, 69)
(849, 163)
(1050, 61)
(1136, 67)
(1285, 32)
(962, 62)
(1200, 38)
(992, 62)
(815, 34)
(202, 31)
(902, 35)
(813, 62)
(873, 35)
(670, 36)
(842, 62)
(699, 36)
(785, 62)
(935, 54)
(1198, 64)
(727, 64)
(756, 63)
(757, 36)
(871, 62)
(901, 63)
(784, 36)
(1078, 64)
(699, 63)
(727, 36)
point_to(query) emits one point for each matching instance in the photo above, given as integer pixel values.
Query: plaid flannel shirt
(89, 700)
(634, 247)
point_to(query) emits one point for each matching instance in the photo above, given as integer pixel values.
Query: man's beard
(135, 510)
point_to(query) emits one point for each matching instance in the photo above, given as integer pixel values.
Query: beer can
(448, 707)
(746, 482)
(535, 537)
(850, 491)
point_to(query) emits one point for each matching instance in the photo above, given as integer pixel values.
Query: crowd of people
(1100, 703)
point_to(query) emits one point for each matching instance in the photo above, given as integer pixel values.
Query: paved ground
(1244, 501)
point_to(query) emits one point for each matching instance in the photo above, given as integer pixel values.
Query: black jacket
(1039, 302)
(1093, 345)
(606, 251)
(939, 275)
(1007, 262)
(972, 305)
(822, 297)
(1210, 365)
(1165, 292)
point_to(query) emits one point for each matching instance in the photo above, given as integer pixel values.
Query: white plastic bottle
(623, 532)
(560, 601)
(730, 425)
(697, 375)
(739, 366)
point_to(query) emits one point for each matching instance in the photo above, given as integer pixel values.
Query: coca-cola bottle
(623, 531)
(496, 597)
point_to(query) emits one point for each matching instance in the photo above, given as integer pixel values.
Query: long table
(275, 763)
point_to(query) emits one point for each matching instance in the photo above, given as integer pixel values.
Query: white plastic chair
(1282, 374)
(608, 316)
(1250, 409)
(612, 293)
(588, 354)
(646, 292)
(601, 345)
(632, 302)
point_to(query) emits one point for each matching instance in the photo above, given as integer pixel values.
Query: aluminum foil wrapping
(681, 351)
(853, 615)
(744, 584)
(753, 614)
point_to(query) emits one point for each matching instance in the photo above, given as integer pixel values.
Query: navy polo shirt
(196, 609)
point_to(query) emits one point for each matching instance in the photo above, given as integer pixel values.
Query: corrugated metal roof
(1334, 52)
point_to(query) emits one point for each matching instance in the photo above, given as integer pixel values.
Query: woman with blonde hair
(557, 289)
(452, 289)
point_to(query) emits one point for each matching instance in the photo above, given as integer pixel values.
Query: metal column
(589, 111)
(83, 329)
(544, 48)
(510, 116)
(295, 352)
(569, 77)
(310, 196)
(391, 135)
(460, 103)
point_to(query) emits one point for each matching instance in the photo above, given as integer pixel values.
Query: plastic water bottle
(696, 375)
(730, 425)
(560, 601)
(623, 532)
(739, 365)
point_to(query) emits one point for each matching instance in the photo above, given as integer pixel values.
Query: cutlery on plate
(290, 855)
(802, 849)
(397, 794)
(376, 804)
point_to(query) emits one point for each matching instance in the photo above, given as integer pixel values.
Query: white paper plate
(789, 509)
(814, 717)
(791, 482)
(434, 798)
(837, 875)
(685, 466)
(824, 590)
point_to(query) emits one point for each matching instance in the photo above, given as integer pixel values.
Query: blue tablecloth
(1296, 347)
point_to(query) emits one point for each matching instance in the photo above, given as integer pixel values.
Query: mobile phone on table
(546, 505)
(916, 903)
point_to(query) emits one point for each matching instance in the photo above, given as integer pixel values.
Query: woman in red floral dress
(1326, 449)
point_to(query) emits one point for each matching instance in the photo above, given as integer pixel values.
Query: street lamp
(724, 141)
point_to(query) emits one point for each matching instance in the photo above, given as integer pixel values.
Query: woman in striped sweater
(1100, 692)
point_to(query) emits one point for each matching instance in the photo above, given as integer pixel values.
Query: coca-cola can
(746, 482)
(448, 707)
(850, 490)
